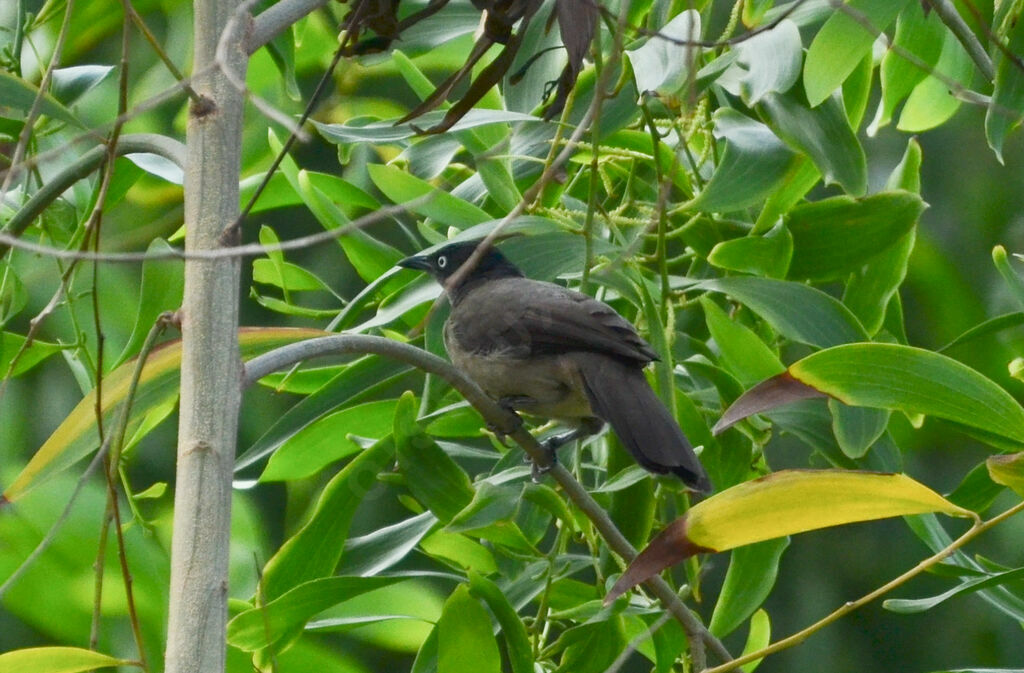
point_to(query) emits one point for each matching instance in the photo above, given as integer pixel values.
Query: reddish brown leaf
(765, 396)
(670, 547)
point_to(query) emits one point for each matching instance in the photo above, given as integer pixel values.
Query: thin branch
(974, 531)
(81, 168)
(247, 250)
(112, 439)
(956, 24)
(278, 18)
(507, 423)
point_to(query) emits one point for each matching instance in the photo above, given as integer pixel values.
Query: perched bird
(547, 351)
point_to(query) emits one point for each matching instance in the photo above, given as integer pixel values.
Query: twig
(82, 167)
(97, 460)
(507, 423)
(247, 250)
(956, 24)
(974, 531)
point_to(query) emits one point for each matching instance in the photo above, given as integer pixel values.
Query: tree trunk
(211, 366)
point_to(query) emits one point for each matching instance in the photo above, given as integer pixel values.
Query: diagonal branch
(507, 423)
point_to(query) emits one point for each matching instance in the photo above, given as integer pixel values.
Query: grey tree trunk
(211, 366)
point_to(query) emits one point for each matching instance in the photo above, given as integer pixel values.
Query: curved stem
(82, 167)
(974, 531)
(951, 17)
(276, 18)
(507, 423)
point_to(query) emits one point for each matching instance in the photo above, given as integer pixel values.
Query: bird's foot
(501, 434)
(537, 470)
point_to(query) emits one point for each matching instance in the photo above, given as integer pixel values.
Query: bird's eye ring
(442, 262)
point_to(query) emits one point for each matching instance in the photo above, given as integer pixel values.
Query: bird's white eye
(442, 262)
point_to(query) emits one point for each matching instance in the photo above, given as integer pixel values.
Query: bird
(551, 352)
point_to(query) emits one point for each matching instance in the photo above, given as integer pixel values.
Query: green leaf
(362, 130)
(355, 382)
(836, 236)
(266, 624)
(19, 94)
(76, 437)
(795, 310)
(432, 476)
(767, 255)
(914, 605)
(753, 165)
(931, 102)
(375, 552)
(70, 84)
(664, 65)
(163, 285)
(313, 551)
(591, 647)
(1006, 109)
(920, 36)
(325, 440)
(914, 381)
(1008, 471)
(15, 361)
(748, 581)
(857, 428)
(401, 187)
(767, 62)
(517, 642)
(465, 641)
(1012, 278)
(290, 277)
(463, 551)
(823, 134)
(780, 504)
(57, 659)
(742, 351)
(843, 42)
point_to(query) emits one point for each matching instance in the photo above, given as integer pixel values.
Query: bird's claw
(537, 471)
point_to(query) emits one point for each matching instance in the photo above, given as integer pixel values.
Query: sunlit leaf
(1008, 471)
(783, 503)
(263, 625)
(76, 436)
(56, 660)
(843, 42)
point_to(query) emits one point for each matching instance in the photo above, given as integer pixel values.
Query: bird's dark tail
(619, 394)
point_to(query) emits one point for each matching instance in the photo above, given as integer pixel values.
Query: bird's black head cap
(444, 262)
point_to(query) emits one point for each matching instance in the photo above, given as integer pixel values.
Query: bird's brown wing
(530, 317)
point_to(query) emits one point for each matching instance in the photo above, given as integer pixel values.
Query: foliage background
(974, 203)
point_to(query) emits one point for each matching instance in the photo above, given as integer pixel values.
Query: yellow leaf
(783, 503)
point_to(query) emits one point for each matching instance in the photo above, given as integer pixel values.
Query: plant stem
(974, 531)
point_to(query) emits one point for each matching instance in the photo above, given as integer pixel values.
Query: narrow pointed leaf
(782, 503)
(465, 641)
(913, 605)
(263, 625)
(314, 551)
(915, 381)
(836, 236)
(765, 396)
(842, 43)
(76, 437)
(56, 660)
(748, 581)
(797, 311)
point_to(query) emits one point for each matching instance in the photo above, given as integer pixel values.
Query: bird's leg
(588, 426)
(509, 404)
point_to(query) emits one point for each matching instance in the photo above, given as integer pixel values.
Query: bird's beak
(416, 262)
